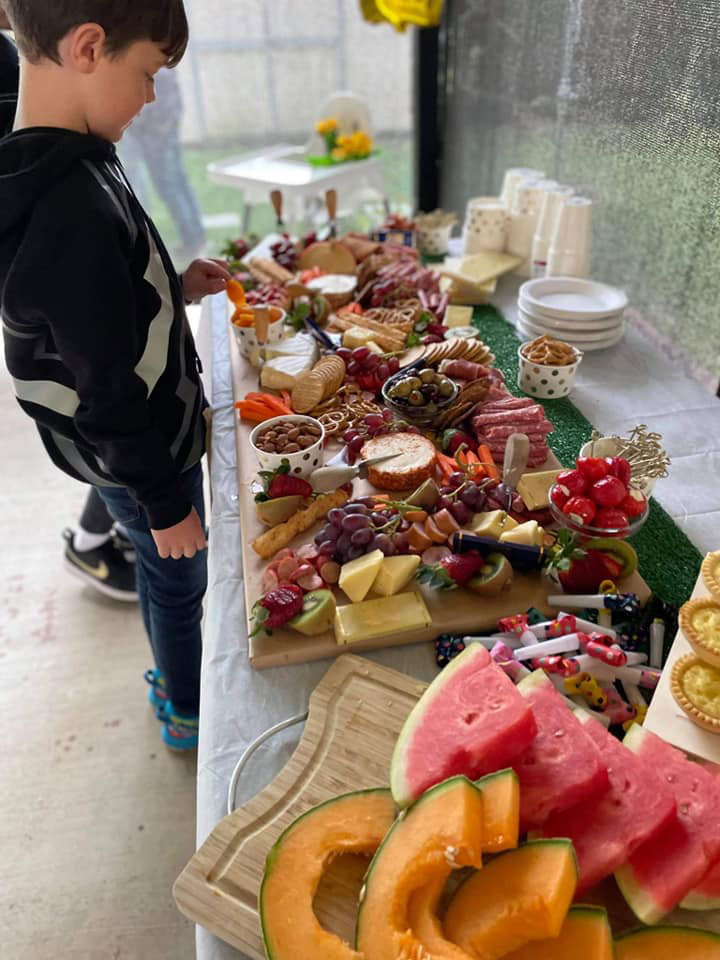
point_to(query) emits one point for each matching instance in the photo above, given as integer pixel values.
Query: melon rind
(276, 850)
(666, 943)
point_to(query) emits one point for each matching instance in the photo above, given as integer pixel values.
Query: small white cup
(485, 226)
(550, 206)
(247, 339)
(569, 253)
(434, 241)
(513, 176)
(545, 381)
(303, 462)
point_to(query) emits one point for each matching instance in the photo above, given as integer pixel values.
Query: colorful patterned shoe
(157, 694)
(179, 732)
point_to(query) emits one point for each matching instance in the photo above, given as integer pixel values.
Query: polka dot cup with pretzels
(547, 368)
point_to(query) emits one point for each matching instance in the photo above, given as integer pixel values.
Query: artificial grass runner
(669, 562)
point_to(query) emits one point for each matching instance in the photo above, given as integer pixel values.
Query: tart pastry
(711, 573)
(695, 686)
(700, 622)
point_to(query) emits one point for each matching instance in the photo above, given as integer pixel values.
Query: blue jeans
(170, 594)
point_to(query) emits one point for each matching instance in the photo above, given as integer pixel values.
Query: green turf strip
(669, 562)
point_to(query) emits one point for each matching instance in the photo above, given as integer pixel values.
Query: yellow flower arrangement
(328, 125)
(356, 145)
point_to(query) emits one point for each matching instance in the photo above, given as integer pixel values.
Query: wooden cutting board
(459, 612)
(356, 713)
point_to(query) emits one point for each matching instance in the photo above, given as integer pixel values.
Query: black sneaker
(106, 568)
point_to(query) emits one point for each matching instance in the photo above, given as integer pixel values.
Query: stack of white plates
(583, 313)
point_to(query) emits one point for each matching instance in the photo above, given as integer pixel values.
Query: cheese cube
(458, 316)
(385, 616)
(492, 523)
(280, 373)
(394, 574)
(534, 488)
(529, 533)
(357, 576)
(357, 337)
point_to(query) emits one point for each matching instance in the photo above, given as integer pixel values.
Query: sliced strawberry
(282, 485)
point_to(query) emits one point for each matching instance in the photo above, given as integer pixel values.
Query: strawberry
(452, 571)
(453, 439)
(581, 570)
(279, 483)
(277, 607)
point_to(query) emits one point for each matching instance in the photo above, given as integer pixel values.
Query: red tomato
(611, 518)
(580, 509)
(574, 482)
(608, 492)
(620, 468)
(559, 496)
(633, 504)
(593, 468)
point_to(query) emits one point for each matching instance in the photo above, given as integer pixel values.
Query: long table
(615, 389)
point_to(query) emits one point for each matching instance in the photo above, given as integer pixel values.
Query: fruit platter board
(383, 463)
(495, 818)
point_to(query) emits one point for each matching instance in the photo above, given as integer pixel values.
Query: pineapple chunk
(357, 576)
(394, 574)
(492, 524)
(528, 533)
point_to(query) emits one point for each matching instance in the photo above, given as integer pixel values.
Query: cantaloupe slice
(443, 830)
(352, 823)
(668, 943)
(520, 896)
(501, 818)
(585, 935)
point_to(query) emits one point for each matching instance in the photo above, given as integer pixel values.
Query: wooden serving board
(459, 612)
(356, 713)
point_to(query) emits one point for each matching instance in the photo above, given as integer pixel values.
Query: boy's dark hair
(39, 25)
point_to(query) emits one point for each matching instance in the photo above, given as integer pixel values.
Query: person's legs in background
(99, 555)
(171, 594)
(164, 159)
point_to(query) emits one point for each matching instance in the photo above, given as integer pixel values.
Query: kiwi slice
(623, 552)
(494, 575)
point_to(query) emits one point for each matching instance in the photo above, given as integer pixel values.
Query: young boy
(96, 336)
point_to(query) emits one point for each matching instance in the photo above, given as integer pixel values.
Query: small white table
(285, 167)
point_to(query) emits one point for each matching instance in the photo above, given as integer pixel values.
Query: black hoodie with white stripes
(94, 325)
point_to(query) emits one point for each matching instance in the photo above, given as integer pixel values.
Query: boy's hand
(182, 540)
(203, 277)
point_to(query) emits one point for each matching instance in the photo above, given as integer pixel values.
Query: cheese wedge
(492, 523)
(299, 345)
(395, 574)
(529, 533)
(357, 337)
(357, 576)
(534, 488)
(458, 317)
(487, 265)
(280, 373)
(464, 291)
(383, 617)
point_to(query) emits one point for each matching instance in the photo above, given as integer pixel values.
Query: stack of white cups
(524, 219)
(514, 176)
(552, 202)
(569, 253)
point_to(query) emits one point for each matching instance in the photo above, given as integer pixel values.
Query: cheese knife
(517, 452)
(328, 478)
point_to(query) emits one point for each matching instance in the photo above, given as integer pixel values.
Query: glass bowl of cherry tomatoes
(597, 499)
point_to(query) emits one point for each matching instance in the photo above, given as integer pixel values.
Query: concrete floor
(97, 817)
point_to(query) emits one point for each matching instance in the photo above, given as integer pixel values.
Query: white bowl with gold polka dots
(544, 381)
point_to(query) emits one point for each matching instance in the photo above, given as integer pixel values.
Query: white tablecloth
(615, 389)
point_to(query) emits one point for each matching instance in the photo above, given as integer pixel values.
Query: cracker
(307, 393)
(411, 355)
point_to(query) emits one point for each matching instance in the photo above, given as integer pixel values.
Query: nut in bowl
(547, 367)
(291, 437)
(245, 325)
(419, 395)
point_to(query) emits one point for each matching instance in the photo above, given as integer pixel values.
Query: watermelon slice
(471, 720)
(562, 766)
(663, 870)
(706, 895)
(607, 829)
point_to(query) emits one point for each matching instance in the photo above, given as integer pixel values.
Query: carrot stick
(285, 394)
(445, 461)
(487, 461)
